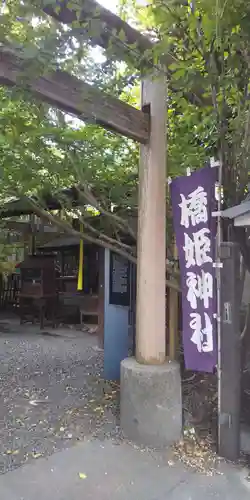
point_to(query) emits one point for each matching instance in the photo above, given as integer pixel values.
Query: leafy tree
(208, 105)
(42, 150)
(210, 43)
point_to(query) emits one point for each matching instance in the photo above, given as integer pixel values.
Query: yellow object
(80, 268)
(82, 475)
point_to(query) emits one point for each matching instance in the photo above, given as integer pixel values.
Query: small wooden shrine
(38, 290)
(92, 286)
(79, 280)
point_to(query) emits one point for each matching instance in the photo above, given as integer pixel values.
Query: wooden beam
(17, 226)
(101, 27)
(73, 96)
(26, 228)
(151, 253)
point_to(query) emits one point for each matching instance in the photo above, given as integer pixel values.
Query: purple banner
(193, 200)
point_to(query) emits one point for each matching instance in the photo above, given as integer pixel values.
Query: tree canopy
(42, 149)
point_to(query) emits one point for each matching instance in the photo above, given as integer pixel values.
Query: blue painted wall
(116, 330)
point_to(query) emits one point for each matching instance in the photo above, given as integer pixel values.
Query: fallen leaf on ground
(82, 475)
(36, 455)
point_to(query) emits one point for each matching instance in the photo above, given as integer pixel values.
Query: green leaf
(82, 475)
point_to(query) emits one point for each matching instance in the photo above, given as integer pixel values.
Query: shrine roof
(22, 206)
(63, 241)
(237, 210)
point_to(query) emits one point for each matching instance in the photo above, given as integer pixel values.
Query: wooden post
(173, 316)
(32, 236)
(101, 292)
(230, 353)
(151, 267)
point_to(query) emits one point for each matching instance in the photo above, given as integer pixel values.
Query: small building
(106, 299)
(239, 216)
(82, 304)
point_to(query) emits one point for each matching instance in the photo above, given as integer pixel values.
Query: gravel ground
(51, 392)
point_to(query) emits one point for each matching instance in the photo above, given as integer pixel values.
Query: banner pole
(219, 294)
(214, 163)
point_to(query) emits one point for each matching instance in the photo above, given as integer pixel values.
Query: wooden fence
(9, 291)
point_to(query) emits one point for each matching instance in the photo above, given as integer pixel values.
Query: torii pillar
(151, 411)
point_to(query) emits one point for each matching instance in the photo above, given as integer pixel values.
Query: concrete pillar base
(151, 405)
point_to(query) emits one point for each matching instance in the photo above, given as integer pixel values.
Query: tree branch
(44, 214)
(90, 198)
(99, 234)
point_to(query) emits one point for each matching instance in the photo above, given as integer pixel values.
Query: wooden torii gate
(147, 126)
